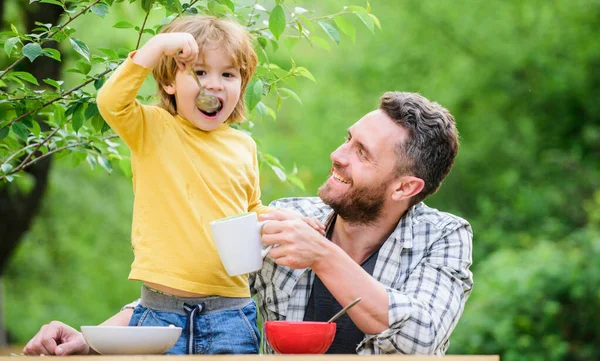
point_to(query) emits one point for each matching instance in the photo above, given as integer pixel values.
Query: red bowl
(289, 337)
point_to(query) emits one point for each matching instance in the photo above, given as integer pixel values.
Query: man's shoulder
(308, 206)
(424, 214)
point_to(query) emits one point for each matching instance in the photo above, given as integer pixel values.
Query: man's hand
(288, 214)
(299, 244)
(57, 338)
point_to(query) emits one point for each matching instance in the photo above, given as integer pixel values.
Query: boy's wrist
(149, 54)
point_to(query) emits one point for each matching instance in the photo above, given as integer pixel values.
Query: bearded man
(409, 263)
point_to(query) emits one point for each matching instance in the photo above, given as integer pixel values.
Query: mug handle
(265, 251)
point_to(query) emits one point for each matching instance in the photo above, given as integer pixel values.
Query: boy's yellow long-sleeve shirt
(183, 179)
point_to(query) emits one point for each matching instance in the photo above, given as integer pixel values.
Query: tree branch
(142, 29)
(59, 28)
(23, 166)
(39, 145)
(58, 97)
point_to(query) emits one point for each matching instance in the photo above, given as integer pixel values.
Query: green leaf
(53, 83)
(10, 45)
(229, 4)
(21, 130)
(6, 168)
(25, 77)
(51, 53)
(346, 27)
(81, 48)
(307, 23)
(98, 122)
(277, 21)
(59, 114)
(100, 9)
(291, 93)
(112, 55)
(321, 42)
(296, 181)
(123, 25)
(53, 2)
(330, 30)
(305, 73)
(279, 173)
(14, 29)
(105, 163)
(147, 5)
(363, 15)
(32, 51)
(254, 94)
(78, 118)
(91, 161)
(4, 132)
(99, 82)
(91, 110)
(261, 109)
(35, 129)
(83, 66)
(375, 20)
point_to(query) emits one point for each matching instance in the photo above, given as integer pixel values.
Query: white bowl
(130, 340)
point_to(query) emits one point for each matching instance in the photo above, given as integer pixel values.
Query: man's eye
(347, 139)
(361, 153)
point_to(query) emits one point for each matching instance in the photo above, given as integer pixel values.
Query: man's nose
(340, 155)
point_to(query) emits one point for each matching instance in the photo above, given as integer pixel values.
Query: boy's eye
(200, 72)
(228, 75)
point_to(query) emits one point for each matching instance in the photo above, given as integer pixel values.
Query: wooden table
(272, 358)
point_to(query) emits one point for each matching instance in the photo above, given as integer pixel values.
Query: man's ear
(169, 89)
(406, 187)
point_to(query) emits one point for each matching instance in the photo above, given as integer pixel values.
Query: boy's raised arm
(117, 98)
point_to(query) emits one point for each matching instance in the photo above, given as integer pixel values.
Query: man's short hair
(432, 143)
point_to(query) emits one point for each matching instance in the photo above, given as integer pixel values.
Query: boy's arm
(118, 105)
(133, 122)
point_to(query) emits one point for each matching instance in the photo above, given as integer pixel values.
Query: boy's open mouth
(215, 112)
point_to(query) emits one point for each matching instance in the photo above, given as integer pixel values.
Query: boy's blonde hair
(209, 31)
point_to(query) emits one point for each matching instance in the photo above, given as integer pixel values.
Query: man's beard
(359, 205)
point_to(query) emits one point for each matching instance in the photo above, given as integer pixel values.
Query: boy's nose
(213, 83)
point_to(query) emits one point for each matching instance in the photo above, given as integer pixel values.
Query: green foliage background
(521, 79)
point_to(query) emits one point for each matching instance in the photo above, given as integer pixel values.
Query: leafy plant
(41, 118)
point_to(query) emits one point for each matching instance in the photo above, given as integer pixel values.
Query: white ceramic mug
(238, 240)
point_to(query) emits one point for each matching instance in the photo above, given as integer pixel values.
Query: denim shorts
(210, 325)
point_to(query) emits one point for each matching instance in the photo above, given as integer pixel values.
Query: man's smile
(339, 178)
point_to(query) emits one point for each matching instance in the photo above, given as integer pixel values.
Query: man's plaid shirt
(424, 264)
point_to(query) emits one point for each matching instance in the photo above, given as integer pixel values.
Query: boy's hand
(180, 45)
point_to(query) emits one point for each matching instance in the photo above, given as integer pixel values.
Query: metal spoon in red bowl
(344, 310)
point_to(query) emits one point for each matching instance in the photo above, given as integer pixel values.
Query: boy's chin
(207, 125)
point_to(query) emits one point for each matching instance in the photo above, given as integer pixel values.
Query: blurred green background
(522, 80)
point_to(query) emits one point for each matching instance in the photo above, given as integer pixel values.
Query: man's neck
(360, 241)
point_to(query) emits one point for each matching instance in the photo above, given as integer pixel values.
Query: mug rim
(235, 216)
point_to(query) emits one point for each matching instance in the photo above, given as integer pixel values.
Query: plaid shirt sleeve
(425, 309)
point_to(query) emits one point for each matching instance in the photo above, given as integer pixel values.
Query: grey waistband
(169, 303)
